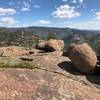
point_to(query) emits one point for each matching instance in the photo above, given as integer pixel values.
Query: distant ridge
(23, 36)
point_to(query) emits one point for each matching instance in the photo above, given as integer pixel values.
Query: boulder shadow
(95, 77)
(69, 67)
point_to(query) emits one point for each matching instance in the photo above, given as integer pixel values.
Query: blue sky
(81, 14)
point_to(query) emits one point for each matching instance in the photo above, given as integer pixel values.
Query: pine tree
(51, 36)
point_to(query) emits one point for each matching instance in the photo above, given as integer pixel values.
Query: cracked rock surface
(55, 79)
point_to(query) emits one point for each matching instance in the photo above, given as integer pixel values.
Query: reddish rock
(83, 57)
(24, 84)
(55, 45)
(13, 51)
(50, 45)
(54, 79)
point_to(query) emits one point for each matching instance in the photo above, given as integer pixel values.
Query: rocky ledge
(53, 78)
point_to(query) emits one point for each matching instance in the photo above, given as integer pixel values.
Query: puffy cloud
(6, 21)
(65, 12)
(97, 15)
(8, 11)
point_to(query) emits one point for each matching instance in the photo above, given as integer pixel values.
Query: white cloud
(26, 6)
(74, 1)
(93, 10)
(80, 1)
(44, 21)
(65, 12)
(6, 21)
(77, 1)
(8, 11)
(64, 0)
(25, 9)
(36, 6)
(97, 15)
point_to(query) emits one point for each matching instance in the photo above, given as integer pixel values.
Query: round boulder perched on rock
(50, 45)
(83, 57)
(55, 45)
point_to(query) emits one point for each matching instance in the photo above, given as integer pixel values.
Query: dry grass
(6, 62)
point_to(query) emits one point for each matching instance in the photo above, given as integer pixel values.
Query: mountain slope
(26, 36)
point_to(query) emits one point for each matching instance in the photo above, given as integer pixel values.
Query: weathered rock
(55, 78)
(41, 44)
(42, 85)
(51, 45)
(13, 51)
(55, 45)
(83, 57)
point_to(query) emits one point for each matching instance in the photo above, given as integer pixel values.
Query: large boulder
(50, 45)
(55, 45)
(41, 44)
(83, 57)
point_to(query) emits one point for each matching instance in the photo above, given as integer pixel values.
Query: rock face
(54, 79)
(50, 45)
(13, 51)
(83, 57)
(24, 84)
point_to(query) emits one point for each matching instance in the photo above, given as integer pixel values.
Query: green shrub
(51, 36)
(16, 63)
